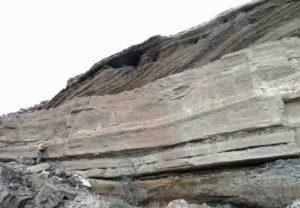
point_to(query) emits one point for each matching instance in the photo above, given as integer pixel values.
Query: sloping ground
(158, 57)
(241, 109)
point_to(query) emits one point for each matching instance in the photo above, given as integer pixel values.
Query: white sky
(45, 42)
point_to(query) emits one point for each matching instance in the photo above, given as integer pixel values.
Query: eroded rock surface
(20, 188)
(158, 57)
(242, 109)
(271, 185)
(201, 135)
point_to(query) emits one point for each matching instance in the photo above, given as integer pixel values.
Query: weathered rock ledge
(189, 135)
(241, 108)
(251, 24)
(271, 185)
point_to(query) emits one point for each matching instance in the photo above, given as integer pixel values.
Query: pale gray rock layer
(271, 185)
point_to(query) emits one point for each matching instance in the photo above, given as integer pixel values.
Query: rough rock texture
(20, 188)
(15, 189)
(158, 57)
(174, 137)
(271, 185)
(241, 109)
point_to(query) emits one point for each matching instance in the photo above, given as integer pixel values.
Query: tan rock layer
(267, 145)
(201, 113)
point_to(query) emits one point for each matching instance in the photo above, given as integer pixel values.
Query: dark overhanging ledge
(203, 170)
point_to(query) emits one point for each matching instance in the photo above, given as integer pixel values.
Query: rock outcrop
(271, 185)
(209, 134)
(159, 57)
(22, 188)
(238, 110)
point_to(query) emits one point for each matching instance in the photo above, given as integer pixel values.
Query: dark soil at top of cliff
(159, 56)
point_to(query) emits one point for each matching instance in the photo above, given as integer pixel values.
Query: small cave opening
(133, 55)
(129, 58)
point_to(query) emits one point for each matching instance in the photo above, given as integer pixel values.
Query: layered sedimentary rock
(272, 185)
(187, 135)
(158, 57)
(243, 107)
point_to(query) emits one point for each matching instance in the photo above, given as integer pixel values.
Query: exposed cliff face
(240, 109)
(188, 135)
(161, 56)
